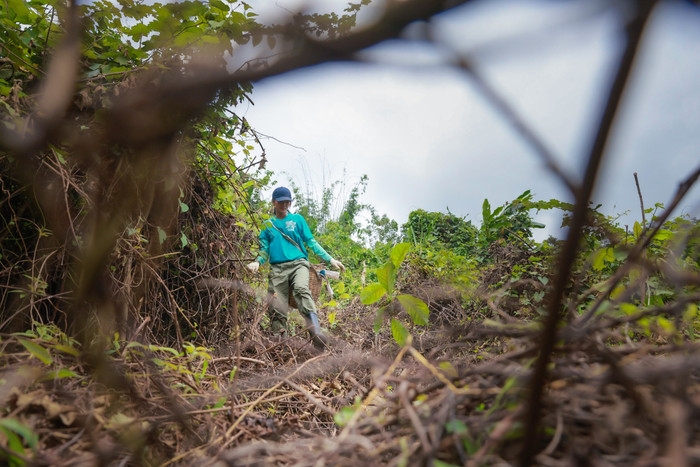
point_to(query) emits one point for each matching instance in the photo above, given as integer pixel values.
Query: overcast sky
(429, 140)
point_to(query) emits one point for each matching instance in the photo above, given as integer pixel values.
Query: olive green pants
(285, 278)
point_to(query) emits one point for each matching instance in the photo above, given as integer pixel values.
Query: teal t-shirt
(277, 249)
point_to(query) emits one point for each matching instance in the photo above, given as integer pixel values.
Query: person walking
(283, 243)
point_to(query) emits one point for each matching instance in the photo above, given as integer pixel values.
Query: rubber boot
(317, 337)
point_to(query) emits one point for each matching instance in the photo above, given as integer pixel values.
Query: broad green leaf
(486, 211)
(601, 257)
(38, 351)
(663, 235)
(219, 4)
(667, 325)
(162, 235)
(617, 291)
(21, 429)
(416, 308)
(599, 260)
(637, 230)
(387, 277)
(620, 254)
(372, 293)
(18, 8)
(379, 319)
(14, 445)
(399, 332)
(184, 207)
(398, 253)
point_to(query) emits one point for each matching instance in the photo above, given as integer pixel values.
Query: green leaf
(21, 429)
(456, 427)
(439, 463)
(18, 8)
(628, 308)
(372, 293)
(601, 257)
(379, 319)
(662, 235)
(486, 211)
(449, 369)
(183, 240)
(14, 445)
(387, 277)
(637, 229)
(668, 327)
(219, 403)
(58, 374)
(184, 207)
(344, 416)
(67, 349)
(398, 253)
(219, 4)
(399, 332)
(162, 235)
(416, 309)
(38, 351)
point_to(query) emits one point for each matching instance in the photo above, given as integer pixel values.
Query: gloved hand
(337, 264)
(253, 267)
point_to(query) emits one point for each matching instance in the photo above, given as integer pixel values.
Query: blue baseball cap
(281, 193)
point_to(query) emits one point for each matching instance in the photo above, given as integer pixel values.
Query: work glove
(253, 267)
(337, 264)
